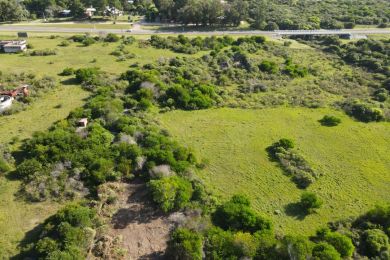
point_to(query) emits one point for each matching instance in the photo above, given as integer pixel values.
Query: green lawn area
(353, 158)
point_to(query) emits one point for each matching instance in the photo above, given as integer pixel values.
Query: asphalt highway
(139, 31)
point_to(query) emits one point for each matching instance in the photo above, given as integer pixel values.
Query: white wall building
(13, 46)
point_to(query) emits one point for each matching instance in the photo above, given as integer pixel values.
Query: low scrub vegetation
(292, 163)
(328, 120)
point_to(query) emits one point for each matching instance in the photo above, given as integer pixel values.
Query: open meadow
(353, 159)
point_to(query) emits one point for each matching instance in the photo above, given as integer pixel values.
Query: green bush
(376, 242)
(171, 193)
(269, 67)
(310, 202)
(330, 121)
(86, 75)
(236, 214)
(64, 43)
(65, 234)
(111, 37)
(340, 242)
(292, 163)
(324, 251)
(67, 72)
(364, 112)
(45, 52)
(88, 41)
(185, 244)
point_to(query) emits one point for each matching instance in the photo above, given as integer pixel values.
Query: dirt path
(145, 231)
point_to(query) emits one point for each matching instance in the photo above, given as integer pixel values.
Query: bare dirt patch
(143, 229)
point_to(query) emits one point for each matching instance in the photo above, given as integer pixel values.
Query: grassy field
(76, 56)
(16, 215)
(353, 158)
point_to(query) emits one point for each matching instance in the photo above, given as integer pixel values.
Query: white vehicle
(5, 103)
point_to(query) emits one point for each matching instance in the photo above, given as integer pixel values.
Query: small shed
(83, 122)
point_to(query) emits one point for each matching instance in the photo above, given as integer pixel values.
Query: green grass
(16, 215)
(353, 158)
(76, 56)
(78, 25)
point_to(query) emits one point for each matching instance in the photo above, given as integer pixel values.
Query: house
(11, 46)
(89, 12)
(112, 11)
(65, 12)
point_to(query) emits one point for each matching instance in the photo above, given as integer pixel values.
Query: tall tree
(11, 10)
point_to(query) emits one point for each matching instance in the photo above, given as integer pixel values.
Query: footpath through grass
(353, 158)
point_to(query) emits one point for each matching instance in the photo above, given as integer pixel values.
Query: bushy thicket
(6, 159)
(45, 52)
(68, 234)
(371, 55)
(237, 214)
(329, 120)
(239, 233)
(363, 111)
(183, 44)
(292, 163)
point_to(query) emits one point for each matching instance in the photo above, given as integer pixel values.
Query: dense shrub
(269, 66)
(363, 112)
(292, 163)
(294, 70)
(86, 75)
(236, 214)
(67, 72)
(171, 193)
(88, 41)
(111, 37)
(376, 242)
(45, 52)
(66, 235)
(185, 245)
(342, 243)
(330, 121)
(324, 251)
(310, 202)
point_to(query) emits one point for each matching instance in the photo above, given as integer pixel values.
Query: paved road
(138, 30)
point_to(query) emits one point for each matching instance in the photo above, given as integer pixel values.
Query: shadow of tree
(154, 256)
(295, 210)
(70, 81)
(23, 246)
(140, 210)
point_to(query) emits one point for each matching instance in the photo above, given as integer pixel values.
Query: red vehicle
(22, 90)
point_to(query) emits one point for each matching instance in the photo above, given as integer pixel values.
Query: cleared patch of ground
(143, 229)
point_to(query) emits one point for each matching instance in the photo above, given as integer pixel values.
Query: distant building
(89, 12)
(65, 12)
(112, 11)
(13, 46)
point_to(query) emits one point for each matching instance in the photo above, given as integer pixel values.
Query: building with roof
(12, 46)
